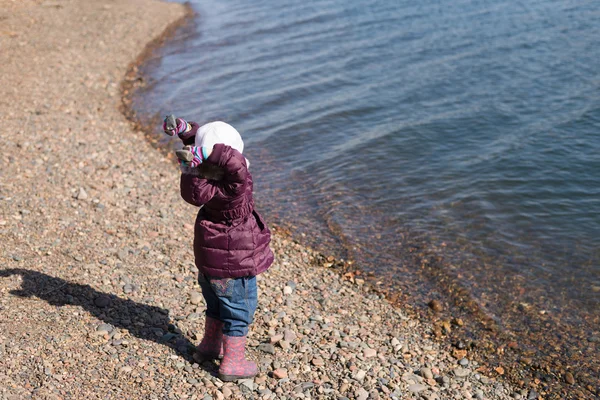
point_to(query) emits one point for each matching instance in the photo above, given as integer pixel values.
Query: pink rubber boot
(234, 365)
(211, 346)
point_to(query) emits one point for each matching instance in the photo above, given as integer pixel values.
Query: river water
(443, 146)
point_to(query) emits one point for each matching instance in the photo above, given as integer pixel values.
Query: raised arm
(234, 164)
(196, 190)
(226, 158)
(182, 128)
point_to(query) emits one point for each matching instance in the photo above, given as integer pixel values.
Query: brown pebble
(569, 378)
(435, 305)
(280, 373)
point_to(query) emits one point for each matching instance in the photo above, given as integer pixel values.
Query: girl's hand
(174, 126)
(192, 156)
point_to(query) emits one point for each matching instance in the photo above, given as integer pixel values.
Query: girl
(231, 240)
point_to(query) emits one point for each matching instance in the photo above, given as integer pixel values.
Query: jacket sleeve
(196, 190)
(233, 164)
(189, 138)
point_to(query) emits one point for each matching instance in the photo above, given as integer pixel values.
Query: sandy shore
(98, 294)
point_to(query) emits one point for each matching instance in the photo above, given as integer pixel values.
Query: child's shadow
(141, 320)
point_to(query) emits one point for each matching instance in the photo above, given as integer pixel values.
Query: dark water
(467, 132)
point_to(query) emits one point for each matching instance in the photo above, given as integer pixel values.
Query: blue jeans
(230, 300)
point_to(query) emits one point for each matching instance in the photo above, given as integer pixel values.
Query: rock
(284, 345)
(569, 378)
(460, 345)
(287, 290)
(193, 316)
(416, 388)
(360, 375)
(196, 298)
(291, 284)
(248, 383)
(280, 373)
(362, 394)
(461, 372)
(459, 354)
(276, 338)
(368, 353)
(426, 373)
(317, 362)
(227, 393)
(267, 348)
(82, 194)
(289, 336)
(104, 328)
(122, 254)
(435, 305)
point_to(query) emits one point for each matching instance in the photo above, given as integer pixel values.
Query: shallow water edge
(457, 320)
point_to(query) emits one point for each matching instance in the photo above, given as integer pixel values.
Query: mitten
(192, 156)
(174, 126)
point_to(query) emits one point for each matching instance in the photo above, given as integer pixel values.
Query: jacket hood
(219, 132)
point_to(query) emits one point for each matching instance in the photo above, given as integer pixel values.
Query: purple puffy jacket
(231, 240)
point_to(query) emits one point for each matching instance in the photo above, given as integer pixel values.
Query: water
(440, 144)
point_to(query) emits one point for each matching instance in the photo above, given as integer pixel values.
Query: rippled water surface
(466, 131)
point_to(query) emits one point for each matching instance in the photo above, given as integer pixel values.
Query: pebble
(362, 394)
(338, 337)
(317, 362)
(193, 316)
(196, 298)
(368, 353)
(227, 393)
(280, 373)
(248, 383)
(82, 195)
(416, 388)
(435, 305)
(267, 348)
(569, 378)
(128, 288)
(426, 373)
(276, 338)
(360, 375)
(461, 372)
(104, 328)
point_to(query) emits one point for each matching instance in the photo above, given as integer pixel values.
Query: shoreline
(98, 295)
(499, 351)
(493, 346)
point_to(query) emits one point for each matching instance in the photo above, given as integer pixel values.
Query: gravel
(99, 298)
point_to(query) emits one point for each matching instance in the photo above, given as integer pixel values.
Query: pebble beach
(98, 295)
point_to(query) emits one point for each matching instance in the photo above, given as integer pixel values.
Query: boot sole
(231, 378)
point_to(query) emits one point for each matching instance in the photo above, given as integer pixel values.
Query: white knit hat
(219, 132)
